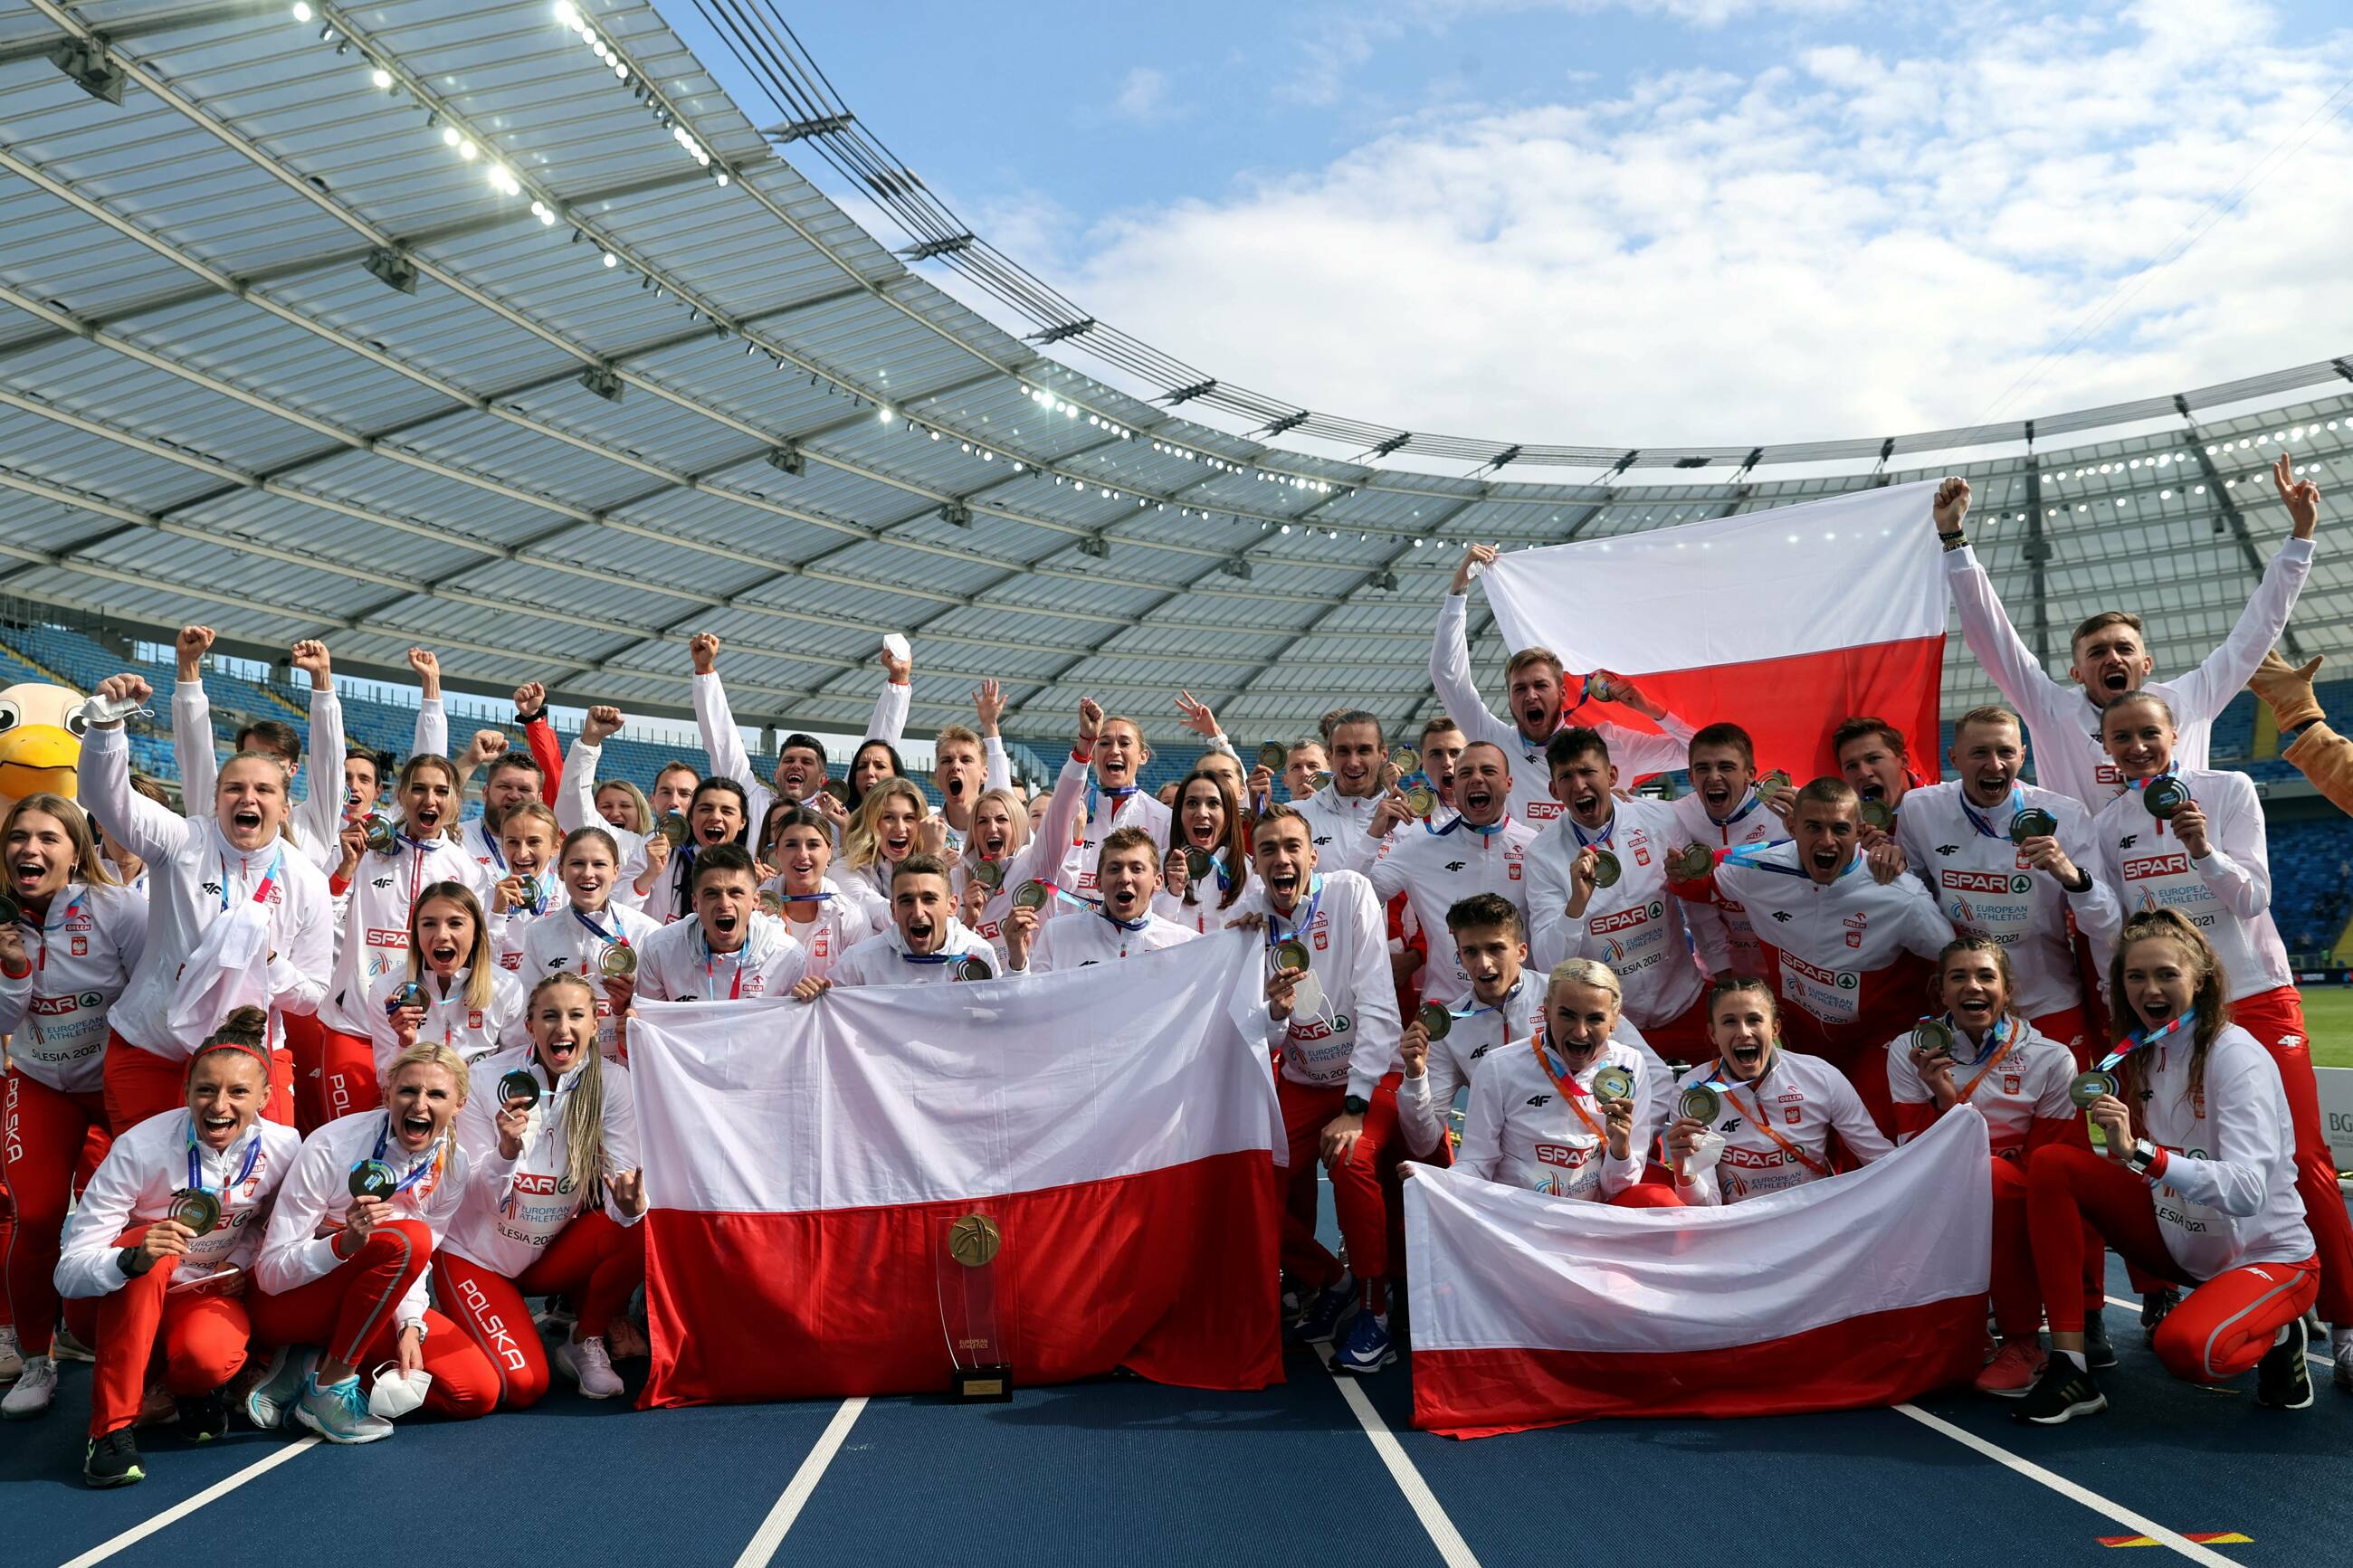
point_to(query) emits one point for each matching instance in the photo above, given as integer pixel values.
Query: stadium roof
(442, 322)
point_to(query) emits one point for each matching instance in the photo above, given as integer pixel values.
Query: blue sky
(1643, 220)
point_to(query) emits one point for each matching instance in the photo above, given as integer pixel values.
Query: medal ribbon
(1752, 857)
(610, 939)
(419, 1171)
(1981, 824)
(1757, 1121)
(2003, 1039)
(2142, 1037)
(261, 893)
(1603, 839)
(1750, 802)
(710, 968)
(195, 1170)
(490, 843)
(1576, 1093)
(1303, 921)
(1488, 832)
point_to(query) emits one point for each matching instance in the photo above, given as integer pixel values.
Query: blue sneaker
(1325, 1313)
(1368, 1347)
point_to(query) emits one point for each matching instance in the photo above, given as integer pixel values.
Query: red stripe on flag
(1166, 1272)
(1880, 1358)
(1789, 706)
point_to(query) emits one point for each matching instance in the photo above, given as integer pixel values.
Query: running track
(1125, 1472)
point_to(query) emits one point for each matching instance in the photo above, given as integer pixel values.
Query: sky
(1639, 222)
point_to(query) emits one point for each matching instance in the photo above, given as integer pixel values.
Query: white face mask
(394, 1396)
(1307, 996)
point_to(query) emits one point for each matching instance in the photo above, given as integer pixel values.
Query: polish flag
(804, 1160)
(1784, 621)
(1866, 1289)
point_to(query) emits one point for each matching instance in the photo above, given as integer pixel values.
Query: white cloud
(1834, 244)
(1142, 97)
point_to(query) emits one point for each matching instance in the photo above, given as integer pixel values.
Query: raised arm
(889, 719)
(2015, 673)
(575, 802)
(432, 738)
(150, 831)
(192, 716)
(715, 719)
(988, 706)
(539, 735)
(319, 815)
(1450, 656)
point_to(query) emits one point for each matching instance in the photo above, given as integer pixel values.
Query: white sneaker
(590, 1367)
(2340, 1350)
(63, 1346)
(339, 1412)
(267, 1402)
(12, 1354)
(33, 1391)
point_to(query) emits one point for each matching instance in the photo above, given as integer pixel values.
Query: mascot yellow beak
(38, 750)
(37, 758)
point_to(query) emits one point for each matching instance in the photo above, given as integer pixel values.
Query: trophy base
(990, 1385)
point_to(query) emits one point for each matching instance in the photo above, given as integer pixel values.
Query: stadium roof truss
(442, 323)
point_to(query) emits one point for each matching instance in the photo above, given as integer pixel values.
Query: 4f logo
(214, 888)
(1456, 864)
(1781, 915)
(384, 881)
(1948, 848)
(1539, 1100)
(2128, 840)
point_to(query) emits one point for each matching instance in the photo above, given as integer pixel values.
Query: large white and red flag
(1867, 1288)
(1784, 621)
(803, 1161)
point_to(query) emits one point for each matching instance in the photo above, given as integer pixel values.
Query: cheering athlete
(2110, 654)
(166, 1230)
(1541, 703)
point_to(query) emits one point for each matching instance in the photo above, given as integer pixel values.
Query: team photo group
(353, 1086)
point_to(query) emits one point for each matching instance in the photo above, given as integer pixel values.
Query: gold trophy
(966, 1248)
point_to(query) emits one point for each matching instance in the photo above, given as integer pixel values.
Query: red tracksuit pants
(2276, 1018)
(349, 1312)
(1362, 1187)
(2221, 1328)
(594, 1261)
(45, 1137)
(201, 1335)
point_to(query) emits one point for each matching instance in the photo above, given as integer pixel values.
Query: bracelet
(16, 974)
(1954, 541)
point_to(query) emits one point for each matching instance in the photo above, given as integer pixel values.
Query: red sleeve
(1912, 1119)
(540, 736)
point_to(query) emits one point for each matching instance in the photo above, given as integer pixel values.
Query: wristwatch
(2143, 1155)
(1355, 1104)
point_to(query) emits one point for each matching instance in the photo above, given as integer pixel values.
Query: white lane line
(2058, 1483)
(1449, 1541)
(178, 1512)
(771, 1534)
(2313, 1356)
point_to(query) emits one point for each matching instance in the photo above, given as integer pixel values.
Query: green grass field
(2328, 1012)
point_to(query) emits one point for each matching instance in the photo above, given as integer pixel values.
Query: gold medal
(381, 836)
(1271, 756)
(1934, 1035)
(770, 904)
(1700, 1102)
(990, 874)
(1613, 1082)
(972, 966)
(1876, 813)
(1291, 953)
(1197, 863)
(1601, 689)
(973, 1240)
(1435, 1019)
(617, 961)
(1422, 800)
(1606, 869)
(1318, 781)
(1691, 862)
(672, 827)
(1405, 760)
(1774, 782)
(194, 1209)
(1029, 896)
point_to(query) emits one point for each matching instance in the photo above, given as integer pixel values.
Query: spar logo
(1814, 972)
(540, 1186)
(2141, 868)
(1961, 881)
(1562, 1155)
(1316, 1030)
(1628, 917)
(58, 1006)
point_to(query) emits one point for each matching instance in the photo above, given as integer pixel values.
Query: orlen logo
(1623, 918)
(2143, 868)
(1962, 881)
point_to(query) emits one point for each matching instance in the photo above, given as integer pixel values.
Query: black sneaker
(204, 1417)
(2284, 1378)
(2064, 1392)
(112, 1460)
(2154, 1306)
(2097, 1351)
